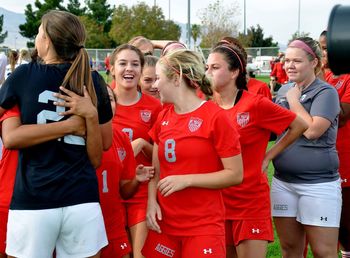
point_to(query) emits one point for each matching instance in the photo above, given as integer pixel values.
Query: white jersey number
(104, 182)
(129, 132)
(170, 155)
(45, 115)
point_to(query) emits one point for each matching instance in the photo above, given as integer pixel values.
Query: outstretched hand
(144, 173)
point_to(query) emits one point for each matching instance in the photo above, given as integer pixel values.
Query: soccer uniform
(254, 117)
(57, 173)
(342, 85)
(193, 143)
(306, 173)
(136, 120)
(118, 163)
(279, 72)
(8, 166)
(259, 87)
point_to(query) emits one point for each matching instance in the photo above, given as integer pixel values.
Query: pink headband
(234, 52)
(301, 44)
(173, 46)
(193, 84)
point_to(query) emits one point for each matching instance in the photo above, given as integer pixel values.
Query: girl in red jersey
(136, 114)
(196, 154)
(248, 215)
(117, 179)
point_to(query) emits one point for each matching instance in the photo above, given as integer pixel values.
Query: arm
(107, 135)
(316, 125)
(344, 115)
(129, 187)
(141, 145)
(82, 106)
(232, 174)
(16, 136)
(296, 129)
(153, 209)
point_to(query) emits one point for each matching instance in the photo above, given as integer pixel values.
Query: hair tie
(301, 44)
(80, 47)
(234, 52)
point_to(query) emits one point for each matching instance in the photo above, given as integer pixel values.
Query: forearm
(23, 136)
(93, 140)
(129, 188)
(107, 135)
(296, 129)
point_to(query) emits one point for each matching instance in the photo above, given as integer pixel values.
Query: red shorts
(116, 248)
(3, 228)
(164, 246)
(239, 230)
(135, 213)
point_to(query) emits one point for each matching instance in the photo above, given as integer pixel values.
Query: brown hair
(68, 36)
(119, 49)
(13, 57)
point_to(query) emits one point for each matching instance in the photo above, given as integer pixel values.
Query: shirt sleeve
(103, 103)
(346, 96)
(226, 137)
(273, 117)
(326, 104)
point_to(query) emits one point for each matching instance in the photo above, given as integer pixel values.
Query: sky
(278, 18)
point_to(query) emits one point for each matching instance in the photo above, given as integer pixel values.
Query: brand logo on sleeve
(194, 124)
(145, 115)
(302, 98)
(243, 119)
(121, 153)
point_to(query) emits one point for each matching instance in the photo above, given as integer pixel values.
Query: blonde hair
(189, 65)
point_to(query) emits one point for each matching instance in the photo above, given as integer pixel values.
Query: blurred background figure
(3, 63)
(148, 76)
(12, 62)
(24, 56)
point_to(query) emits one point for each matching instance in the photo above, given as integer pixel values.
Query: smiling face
(148, 78)
(163, 85)
(298, 66)
(127, 69)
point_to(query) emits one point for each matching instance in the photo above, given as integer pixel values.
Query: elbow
(9, 143)
(96, 162)
(311, 135)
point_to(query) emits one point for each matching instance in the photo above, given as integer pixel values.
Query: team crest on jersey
(339, 84)
(145, 115)
(243, 119)
(302, 97)
(121, 153)
(194, 124)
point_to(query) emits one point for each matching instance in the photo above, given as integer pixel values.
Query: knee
(324, 251)
(292, 248)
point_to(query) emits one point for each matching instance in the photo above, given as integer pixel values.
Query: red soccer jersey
(193, 143)
(279, 72)
(8, 166)
(259, 87)
(118, 163)
(342, 84)
(254, 117)
(136, 120)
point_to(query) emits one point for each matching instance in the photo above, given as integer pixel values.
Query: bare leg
(323, 241)
(292, 237)
(138, 234)
(252, 249)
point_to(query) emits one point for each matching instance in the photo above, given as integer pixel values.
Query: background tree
(217, 22)
(73, 7)
(144, 20)
(296, 35)
(100, 12)
(255, 38)
(196, 32)
(95, 36)
(30, 28)
(2, 35)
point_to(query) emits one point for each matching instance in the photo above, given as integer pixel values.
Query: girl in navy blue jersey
(55, 202)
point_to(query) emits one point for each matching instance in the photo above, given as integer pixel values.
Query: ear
(314, 63)
(234, 74)
(177, 80)
(111, 69)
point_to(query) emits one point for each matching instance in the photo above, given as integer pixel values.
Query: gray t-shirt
(311, 161)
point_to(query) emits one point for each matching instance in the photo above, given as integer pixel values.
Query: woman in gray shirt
(306, 193)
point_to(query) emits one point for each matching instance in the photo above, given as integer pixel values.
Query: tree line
(109, 26)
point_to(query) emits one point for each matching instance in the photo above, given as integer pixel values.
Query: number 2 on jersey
(45, 115)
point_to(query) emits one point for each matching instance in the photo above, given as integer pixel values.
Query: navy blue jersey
(56, 173)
